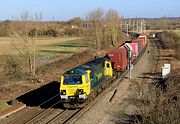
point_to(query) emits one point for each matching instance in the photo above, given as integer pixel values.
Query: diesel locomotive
(78, 83)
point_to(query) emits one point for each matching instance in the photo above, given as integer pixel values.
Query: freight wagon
(119, 57)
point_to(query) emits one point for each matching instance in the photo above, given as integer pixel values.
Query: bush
(73, 32)
(177, 48)
(169, 39)
(51, 32)
(12, 69)
(158, 103)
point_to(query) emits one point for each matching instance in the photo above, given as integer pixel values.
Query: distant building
(75, 27)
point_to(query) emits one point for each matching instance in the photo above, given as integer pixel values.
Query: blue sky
(67, 9)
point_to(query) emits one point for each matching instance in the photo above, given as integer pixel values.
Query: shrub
(51, 32)
(12, 69)
(169, 39)
(159, 103)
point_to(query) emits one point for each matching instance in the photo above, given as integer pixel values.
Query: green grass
(67, 47)
(52, 53)
(3, 105)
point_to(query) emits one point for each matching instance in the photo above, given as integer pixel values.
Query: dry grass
(177, 32)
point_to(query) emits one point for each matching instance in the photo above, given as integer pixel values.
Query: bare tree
(164, 23)
(96, 17)
(113, 24)
(28, 45)
(38, 18)
(25, 18)
(105, 27)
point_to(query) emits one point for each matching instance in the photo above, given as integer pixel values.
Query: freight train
(85, 81)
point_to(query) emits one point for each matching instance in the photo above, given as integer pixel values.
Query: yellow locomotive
(78, 83)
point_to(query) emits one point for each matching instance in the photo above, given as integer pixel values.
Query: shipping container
(118, 58)
(139, 45)
(142, 40)
(134, 50)
(145, 38)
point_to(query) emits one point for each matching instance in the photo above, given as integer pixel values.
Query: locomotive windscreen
(72, 79)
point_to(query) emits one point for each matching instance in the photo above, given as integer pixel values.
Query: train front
(75, 86)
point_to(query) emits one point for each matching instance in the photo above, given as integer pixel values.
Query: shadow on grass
(128, 119)
(71, 45)
(74, 43)
(151, 75)
(56, 52)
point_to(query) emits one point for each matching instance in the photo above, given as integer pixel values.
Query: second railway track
(29, 113)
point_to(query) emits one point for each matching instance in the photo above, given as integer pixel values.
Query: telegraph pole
(141, 26)
(133, 26)
(144, 27)
(129, 64)
(127, 30)
(137, 26)
(125, 25)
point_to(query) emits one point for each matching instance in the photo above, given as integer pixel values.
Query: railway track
(64, 116)
(40, 115)
(29, 113)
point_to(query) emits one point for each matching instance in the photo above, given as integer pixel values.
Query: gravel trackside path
(103, 111)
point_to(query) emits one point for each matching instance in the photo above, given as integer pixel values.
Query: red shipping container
(118, 58)
(134, 50)
(140, 40)
(145, 38)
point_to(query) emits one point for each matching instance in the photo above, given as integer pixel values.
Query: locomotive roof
(98, 61)
(92, 65)
(75, 71)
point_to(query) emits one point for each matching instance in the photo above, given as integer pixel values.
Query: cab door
(88, 82)
(108, 69)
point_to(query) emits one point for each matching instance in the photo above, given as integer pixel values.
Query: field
(177, 32)
(45, 46)
(49, 50)
(62, 48)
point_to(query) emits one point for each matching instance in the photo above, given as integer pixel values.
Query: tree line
(163, 23)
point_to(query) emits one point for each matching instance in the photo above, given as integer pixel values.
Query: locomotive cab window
(108, 65)
(70, 80)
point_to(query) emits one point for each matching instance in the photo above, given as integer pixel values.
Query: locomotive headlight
(80, 91)
(63, 92)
